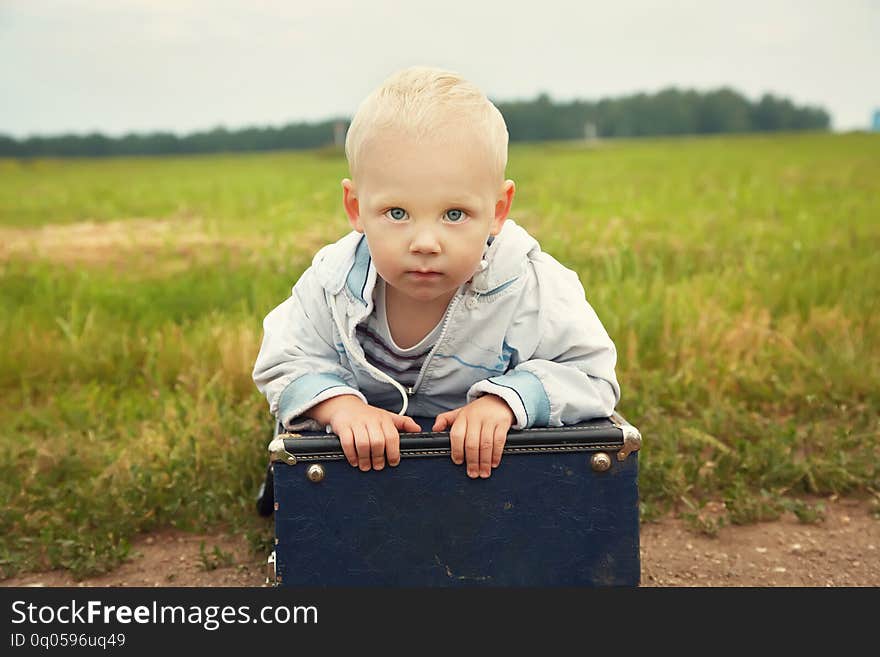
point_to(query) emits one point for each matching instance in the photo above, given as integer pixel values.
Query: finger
(439, 422)
(405, 423)
(498, 445)
(446, 419)
(487, 439)
(472, 449)
(392, 443)
(362, 444)
(377, 445)
(456, 440)
(346, 439)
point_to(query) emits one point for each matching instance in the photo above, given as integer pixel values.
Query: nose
(424, 240)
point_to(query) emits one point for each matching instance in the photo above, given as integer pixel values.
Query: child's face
(426, 205)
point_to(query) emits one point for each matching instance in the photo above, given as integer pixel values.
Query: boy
(436, 303)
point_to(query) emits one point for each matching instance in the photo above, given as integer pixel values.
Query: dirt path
(842, 550)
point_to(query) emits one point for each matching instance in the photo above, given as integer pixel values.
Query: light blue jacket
(521, 329)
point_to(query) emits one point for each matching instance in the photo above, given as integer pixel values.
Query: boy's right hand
(369, 435)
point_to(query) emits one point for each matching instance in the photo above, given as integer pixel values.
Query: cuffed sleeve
(524, 394)
(308, 391)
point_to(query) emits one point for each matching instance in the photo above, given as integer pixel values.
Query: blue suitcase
(562, 509)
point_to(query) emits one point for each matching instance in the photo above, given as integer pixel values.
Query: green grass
(738, 276)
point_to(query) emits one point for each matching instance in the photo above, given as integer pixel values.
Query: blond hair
(421, 101)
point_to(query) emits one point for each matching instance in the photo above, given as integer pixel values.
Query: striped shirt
(380, 349)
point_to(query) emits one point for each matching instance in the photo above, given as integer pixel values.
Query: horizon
(242, 127)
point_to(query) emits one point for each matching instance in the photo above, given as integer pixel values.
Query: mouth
(424, 273)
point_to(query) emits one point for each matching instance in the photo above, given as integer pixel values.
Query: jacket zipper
(412, 389)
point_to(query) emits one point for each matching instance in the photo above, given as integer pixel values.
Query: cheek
(471, 253)
(467, 262)
(385, 258)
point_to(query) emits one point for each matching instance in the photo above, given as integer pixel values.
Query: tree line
(668, 112)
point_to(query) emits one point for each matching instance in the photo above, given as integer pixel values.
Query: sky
(120, 66)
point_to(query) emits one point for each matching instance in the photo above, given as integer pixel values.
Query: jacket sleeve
(565, 374)
(298, 365)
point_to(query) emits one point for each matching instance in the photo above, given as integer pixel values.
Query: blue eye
(398, 214)
(454, 215)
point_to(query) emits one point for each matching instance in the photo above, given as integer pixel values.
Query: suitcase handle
(602, 434)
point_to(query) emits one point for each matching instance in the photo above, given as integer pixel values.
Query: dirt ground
(843, 550)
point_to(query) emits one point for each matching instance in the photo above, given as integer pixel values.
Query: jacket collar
(506, 256)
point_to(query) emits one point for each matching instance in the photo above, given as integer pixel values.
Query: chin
(426, 295)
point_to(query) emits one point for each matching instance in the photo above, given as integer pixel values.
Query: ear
(502, 207)
(350, 203)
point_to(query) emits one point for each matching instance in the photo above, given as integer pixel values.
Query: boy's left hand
(478, 431)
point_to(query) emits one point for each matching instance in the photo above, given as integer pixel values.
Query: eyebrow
(466, 201)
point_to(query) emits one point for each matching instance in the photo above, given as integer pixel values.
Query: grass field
(738, 276)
